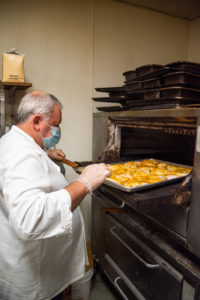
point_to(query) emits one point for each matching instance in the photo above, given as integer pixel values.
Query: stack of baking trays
(155, 86)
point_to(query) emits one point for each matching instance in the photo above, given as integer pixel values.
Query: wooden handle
(69, 163)
(113, 210)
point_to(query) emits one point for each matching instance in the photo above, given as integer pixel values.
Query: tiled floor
(100, 290)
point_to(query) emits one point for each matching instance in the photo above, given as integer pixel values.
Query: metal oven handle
(146, 264)
(116, 284)
(124, 279)
(118, 287)
(122, 204)
(139, 297)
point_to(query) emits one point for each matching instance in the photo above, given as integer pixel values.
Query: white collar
(22, 132)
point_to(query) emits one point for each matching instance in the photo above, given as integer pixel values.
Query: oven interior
(169, 139)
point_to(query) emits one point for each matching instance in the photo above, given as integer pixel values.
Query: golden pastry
(137, 173)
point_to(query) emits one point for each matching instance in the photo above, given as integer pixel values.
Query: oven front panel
(169, 138)
(136, 257)
(140, 263)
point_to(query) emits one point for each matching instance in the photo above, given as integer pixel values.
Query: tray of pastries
(136, 175)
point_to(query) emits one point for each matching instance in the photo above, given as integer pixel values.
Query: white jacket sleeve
(39, 206)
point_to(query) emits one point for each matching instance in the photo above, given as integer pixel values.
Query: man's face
(54, 120)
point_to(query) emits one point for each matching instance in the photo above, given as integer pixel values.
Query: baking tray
(182, 77)
(161, 103)
(147, 69)
(108, 99)
(145, 93)
(145, 106)
(130, 75)
(155, 74)
(141, 71)
(113, 91)
(133, 85)
(178, 100)
(109, 89)
(177, 91)
(151, 94)
(152, 83)
(112, 108)
(186, 66)
(119, 99)
(165, 92)
(147, 186)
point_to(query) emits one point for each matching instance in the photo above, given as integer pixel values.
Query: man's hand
(94, 175)
(56, 154)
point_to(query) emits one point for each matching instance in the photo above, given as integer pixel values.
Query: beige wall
(73, 46)
(56, 37)
(126, 37)
(194, 50)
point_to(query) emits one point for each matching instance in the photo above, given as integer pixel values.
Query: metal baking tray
(116, 185)
(130, 75)
(113, 91)
(155, 74)
(133, 85)
(162, 101)
(177, 91)
(186, 66)
(118, 99)
(165, 92)
(151, 94)
(182, 77)
(141, 71)
(145, 93)
(111, 108)
(152, 104)
(152, 83)
(147, 69)
(108, 99)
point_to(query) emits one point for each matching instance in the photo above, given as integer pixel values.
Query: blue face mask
(51, 141)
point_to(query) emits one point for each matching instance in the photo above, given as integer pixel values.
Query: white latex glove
(94, 175)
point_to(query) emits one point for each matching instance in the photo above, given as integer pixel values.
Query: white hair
(36, 103)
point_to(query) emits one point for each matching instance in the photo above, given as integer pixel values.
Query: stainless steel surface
(2, 109)
(116, 260)
(189, 222)
(163, 229)
(176, 112)
(100, 134)
(114, 184)
(193, 240)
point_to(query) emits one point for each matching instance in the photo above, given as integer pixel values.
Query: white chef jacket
(42, 243)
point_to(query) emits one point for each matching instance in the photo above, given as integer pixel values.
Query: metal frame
(192, 239)
(2, 109)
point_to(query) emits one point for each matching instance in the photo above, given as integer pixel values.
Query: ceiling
(186, 9)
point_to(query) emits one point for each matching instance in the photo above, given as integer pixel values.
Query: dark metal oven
(147, 242)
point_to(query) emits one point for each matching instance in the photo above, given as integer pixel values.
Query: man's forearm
(77, 191)
(91, 177)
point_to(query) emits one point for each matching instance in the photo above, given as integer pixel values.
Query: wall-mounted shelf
(12, 87)
(17, 85)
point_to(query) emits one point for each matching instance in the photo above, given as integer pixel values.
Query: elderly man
(41, 228)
